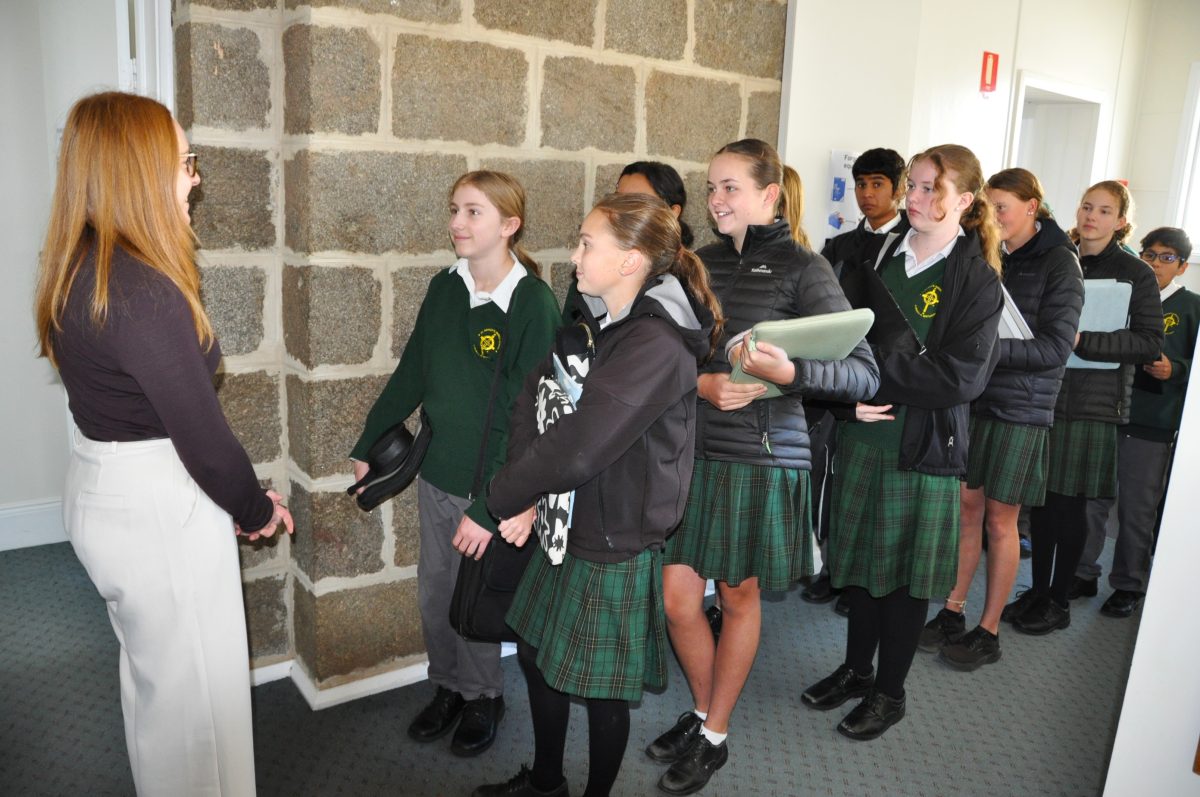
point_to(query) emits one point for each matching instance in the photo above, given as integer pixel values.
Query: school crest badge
(930, 297)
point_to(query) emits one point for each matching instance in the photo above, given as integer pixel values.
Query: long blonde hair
(967, 177)
(767, 167)
(117, 171)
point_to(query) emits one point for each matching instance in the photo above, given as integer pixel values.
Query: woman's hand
(280, 515)
(471, 539)
(768, 362)
(870, 413)
(1160, 368)
(718, 391)
(517, 528)
(360, 470)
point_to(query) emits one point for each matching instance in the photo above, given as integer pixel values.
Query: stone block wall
(329, 132)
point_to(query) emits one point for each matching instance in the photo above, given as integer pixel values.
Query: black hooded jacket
(1044, 279)
(775, 278)
(1095, 394)
(627, 449)
(859, 245)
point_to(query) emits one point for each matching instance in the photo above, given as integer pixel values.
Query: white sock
(703, 715)
(713, 737)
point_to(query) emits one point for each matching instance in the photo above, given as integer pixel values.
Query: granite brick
(368, 202)
(696, 212)
(325, 419)
(606, 180)
(744, 36)
(350, 630)
(655, 30)
(690, 117)
(239, 5)
(233, 297)
(232, 208)
(762, 116)
(333, 536)
(419, 10)
(267, 616)
(561, 275)
(331, 315)
(585, 104)
(221, 79)
(331, 80)
(251, 403)
(458, 91)
(409, 286)
(569, 20)
(555, 196)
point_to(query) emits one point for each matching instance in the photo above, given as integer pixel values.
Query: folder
(1012, 323)
(1105, 309)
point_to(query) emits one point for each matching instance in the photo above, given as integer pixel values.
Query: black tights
(1058, 532)
(892, 624)
(608, 731)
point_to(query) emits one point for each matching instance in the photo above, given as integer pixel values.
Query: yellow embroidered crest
(930, 297)
(488, 345)
(1170, 321)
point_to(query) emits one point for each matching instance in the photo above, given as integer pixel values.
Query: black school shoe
(1122, 603)
(842, 606)
(437, 719)
(1083, 588)
(1043, 617)
(1024, 602)
(715, 620)
(821, 590)
(477, 731)
(945, 628)
(870, 718)
(519, 786)
(976, 648)
(834, 690)
(668, 748)
(695, 767)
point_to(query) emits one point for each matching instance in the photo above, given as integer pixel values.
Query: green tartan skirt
(599, 628)
(1083, 459)
(891, 528)
(1008, 460)
(744, 521)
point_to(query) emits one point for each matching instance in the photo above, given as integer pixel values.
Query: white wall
(51, 52)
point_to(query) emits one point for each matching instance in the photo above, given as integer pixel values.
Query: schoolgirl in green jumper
(893, 539)
(488, 311)
(592, 627)
(748, 523)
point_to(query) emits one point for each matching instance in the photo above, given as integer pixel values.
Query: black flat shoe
(477, 731)
(945, 628)
(437, 719)
(1083, 588)
(695, 768)
(1025, 600)
(976, 648)
(715, 620)
(831, 692)
(842, 606)
(668, 748)
(1122, 603)
(870, 718)
(1043, 617)
(519, 786)
(820, 590)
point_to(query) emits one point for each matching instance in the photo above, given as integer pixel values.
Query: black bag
(393, 461)
(485, 588)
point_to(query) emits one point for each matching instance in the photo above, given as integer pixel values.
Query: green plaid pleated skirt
(891, 528)
(1083, 459)
(1008, 460)
(743, 521)
(599, 628)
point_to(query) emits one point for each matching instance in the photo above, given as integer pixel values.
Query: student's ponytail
(790, 205)
(690, 270)
(980, 218)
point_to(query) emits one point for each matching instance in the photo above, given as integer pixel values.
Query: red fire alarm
(987, 77)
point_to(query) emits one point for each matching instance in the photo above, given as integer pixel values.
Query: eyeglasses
(1162, 257)
(189, 164)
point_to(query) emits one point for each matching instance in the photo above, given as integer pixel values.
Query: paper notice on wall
(843, 209)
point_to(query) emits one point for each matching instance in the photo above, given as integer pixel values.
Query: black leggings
(1058, 532)
(892, 624)
(608, 731)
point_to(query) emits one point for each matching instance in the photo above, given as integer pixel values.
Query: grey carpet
(1039, 722)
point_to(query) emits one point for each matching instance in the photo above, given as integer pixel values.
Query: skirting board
(33, 523)
(318, 699)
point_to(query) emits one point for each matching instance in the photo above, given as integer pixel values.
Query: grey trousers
(469, 668)
(1141, 481)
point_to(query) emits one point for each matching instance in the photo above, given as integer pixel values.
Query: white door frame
(1026, 80)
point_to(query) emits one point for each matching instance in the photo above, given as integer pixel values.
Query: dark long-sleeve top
(143, 375)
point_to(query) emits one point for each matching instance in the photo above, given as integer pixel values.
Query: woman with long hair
(748, 523)
(592, 626)
(484, 323)
(1010, 422)
(158, 485)
(893, 539)
(1090, 406)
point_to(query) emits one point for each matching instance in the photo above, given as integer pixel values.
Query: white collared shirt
(501, 294)
(911, 267)
(884, 228)
(1173, 287)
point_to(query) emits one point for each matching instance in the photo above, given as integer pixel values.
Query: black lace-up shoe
(844, 684)
(519, 786)
(842, 606)
(1043, 617)
(870, 718)
(1025, 600)
(667, 748)
(695, 767)
(821, 590)
(1122, 603)
(477, 731)
(976, 648)
(945, 627)
(437, 719)
(715, 620)
(1083, 588)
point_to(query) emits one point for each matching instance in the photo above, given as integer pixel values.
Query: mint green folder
(1105, 309)
(829, 336)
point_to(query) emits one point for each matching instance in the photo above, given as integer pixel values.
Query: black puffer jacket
(858, 245)
(1044, 279)
(775, 278)
(1103, 394)
(627, 450)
